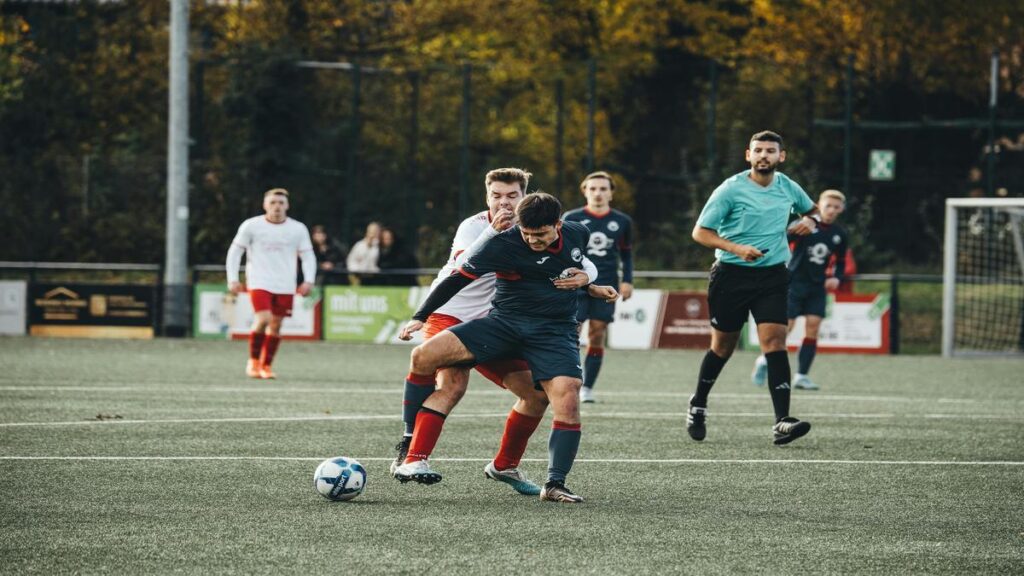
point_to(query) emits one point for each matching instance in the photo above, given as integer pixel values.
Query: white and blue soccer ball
(339, 478)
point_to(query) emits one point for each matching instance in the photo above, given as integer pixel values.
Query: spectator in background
(395, 256)
(362, 259)
(330, 255)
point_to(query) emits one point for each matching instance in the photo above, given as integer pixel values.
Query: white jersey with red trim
(473, 301)
(271, 252)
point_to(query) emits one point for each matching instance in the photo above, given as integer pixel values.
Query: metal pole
(591, 112)
(848, 126)
(351, 174)
(993, 100)
(712, 121)
(949, 280)
(467, 73)
(415, 194)
(559, 136)
(894, 314)
(176, 308)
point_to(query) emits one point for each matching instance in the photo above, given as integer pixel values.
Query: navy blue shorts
(806, 300)
(594, 309)
(551, 348)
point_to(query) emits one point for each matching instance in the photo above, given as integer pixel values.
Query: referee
(745, 222)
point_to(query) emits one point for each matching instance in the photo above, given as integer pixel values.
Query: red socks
(425, 434)
(518, 429)
(256, 344)
(269, 349)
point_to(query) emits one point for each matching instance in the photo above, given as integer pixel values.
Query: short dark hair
(767, 136)
(538, 210)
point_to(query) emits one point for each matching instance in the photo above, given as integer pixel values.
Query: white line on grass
(393, 389)
(578, 461)
(585, 414)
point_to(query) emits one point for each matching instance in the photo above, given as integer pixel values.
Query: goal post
(983, 277)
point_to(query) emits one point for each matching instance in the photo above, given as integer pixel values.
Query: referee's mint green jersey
(744, 212)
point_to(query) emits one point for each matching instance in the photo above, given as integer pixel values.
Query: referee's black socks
(779, 382)
(710, 368)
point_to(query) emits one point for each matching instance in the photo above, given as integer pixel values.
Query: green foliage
(86, 83)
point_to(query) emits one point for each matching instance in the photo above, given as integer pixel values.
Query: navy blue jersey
(611, 241)
(525, 278)
(811, 254)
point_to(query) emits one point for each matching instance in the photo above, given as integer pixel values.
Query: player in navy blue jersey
(808, 283)
(539, 264)
(611, 243)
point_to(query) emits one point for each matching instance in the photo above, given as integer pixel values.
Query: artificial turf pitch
(161, 457)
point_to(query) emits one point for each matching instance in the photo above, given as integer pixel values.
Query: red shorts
(495, 370)
(278, 304)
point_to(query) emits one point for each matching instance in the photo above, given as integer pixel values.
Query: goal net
(983, 277)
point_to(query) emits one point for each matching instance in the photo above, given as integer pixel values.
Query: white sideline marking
(325, 417)
(585, 414)
(395, 389)
(578, 461)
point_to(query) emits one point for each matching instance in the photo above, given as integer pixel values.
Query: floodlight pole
(176, 288)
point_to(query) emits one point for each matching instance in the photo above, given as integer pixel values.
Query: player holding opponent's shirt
(506, 187)
(808, 283)
(534, 317)
(611, 240)
(271, 243)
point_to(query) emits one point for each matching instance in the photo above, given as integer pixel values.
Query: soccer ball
(339, 478)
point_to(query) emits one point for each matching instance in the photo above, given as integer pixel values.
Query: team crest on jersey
(613, 226)
(577, 255)
(836, 239)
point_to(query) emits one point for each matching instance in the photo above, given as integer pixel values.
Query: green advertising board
(368, 313)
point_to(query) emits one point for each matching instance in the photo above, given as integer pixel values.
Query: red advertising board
(684, 321)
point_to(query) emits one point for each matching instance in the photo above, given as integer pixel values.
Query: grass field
(157, 457)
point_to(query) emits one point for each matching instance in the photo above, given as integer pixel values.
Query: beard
(764, 168)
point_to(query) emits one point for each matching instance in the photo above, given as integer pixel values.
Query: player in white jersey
(273, 243)
(506, 187)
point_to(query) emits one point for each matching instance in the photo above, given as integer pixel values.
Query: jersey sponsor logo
(543, 260)
(599, 244)
(577, 255)
(818, 253)
(613, 226)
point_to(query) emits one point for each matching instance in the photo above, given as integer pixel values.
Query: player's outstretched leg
(427, 431)
(519, 427)
(418, 387)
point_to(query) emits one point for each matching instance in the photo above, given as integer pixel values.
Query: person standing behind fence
(611, 242)
(745, 221)
(394, 255)
(330, 255)
(362, 259)
(271, 243)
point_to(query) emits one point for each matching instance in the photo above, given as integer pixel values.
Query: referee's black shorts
(735, 291)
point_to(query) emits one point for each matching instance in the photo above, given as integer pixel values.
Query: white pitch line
(390, 389)
(578, 461)
(326, 417)
(585, 414)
